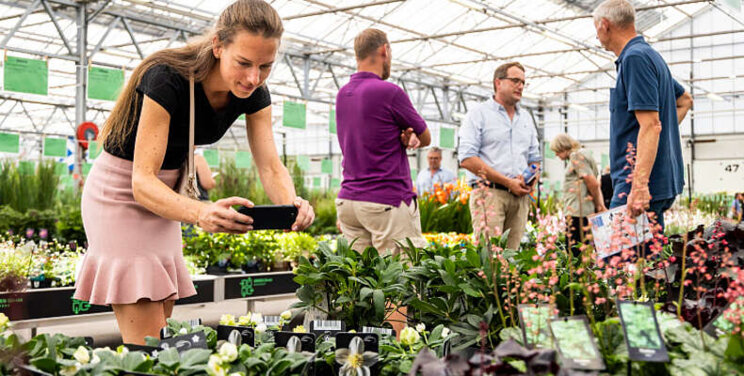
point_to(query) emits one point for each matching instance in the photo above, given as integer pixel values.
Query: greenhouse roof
(436, 43)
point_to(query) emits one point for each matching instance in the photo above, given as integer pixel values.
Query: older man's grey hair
(618, 12)
(435, 149)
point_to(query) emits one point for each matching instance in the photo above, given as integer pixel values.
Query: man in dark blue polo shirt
(646, 107)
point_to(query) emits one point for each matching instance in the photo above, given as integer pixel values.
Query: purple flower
(29, 233)
(43, 233)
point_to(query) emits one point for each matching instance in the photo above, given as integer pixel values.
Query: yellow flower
(245, 320)
(4, 322)
(299, 329)
(227, 319)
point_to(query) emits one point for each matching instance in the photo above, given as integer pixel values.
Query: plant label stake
(248, 335)
(306, 339)
(196, 340)
(642, 334)
(575, 343)
(533, 319)
(381, 331)
(327, 327)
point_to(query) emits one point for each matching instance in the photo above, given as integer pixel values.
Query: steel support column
(81, 77)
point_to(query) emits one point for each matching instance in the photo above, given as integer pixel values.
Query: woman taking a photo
(130, 210)
(581, 194)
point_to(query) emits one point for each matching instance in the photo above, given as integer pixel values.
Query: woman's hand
(305, 214)
(600, 208)
(219, 216)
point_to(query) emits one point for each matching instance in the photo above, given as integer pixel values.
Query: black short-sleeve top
(167, 87)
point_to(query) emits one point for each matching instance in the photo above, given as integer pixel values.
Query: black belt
(489, 185)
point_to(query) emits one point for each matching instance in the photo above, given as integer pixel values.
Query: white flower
(98, 351)
(237, 374)
(294, 345)
(81, 355)
(421, 327)
(227, 319)
(214, 366)
(228, 352)
(260, 328)
(286, 315)
(445, 332)
(69, 370)
(354, 360)
(409, 336)
(256, 318)
(183, 331)
(95, 360)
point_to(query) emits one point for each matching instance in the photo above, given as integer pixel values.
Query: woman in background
(581, 194)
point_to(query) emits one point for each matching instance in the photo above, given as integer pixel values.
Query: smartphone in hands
(271, 217)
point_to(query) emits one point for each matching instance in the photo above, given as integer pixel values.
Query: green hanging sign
(734, 4)
(26, 167)
(243, 159)
(549, 153)
(10, 143)
(447, 138)
(241, 117)
(94, 150)
(326, 166)
(60, 168)
(335, 183)
(212, 157)
(24, 75)
(332, 122)
(316, 182)
(86, 168)
(303, 162)
(414, 175)
(67, 181)
(605, 161)
(294, 115)
(55, 147)
(105, 84)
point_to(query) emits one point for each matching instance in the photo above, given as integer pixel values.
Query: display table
(55, 306)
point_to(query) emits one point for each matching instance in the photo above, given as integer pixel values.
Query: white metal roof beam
(341, 9)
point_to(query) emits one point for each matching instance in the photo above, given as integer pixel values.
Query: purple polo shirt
(370, 114)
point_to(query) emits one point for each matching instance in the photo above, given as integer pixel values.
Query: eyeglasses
(515, 80)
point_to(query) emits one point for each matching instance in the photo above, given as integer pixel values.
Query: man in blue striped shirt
(498, 140)
(435, 174)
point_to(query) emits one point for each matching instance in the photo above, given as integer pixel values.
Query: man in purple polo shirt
(376, 122)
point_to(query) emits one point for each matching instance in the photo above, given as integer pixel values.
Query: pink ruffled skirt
(133, 254)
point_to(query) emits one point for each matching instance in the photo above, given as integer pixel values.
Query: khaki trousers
(495, 211)
(379, 225)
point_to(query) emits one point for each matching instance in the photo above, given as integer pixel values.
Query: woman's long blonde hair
(196, 57)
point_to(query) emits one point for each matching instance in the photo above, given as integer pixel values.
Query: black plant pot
(220, 268)
(254, 266)
(41, 283)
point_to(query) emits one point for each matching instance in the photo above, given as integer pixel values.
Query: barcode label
(327, 325)
(381, 331)
(271, 320)
(194, 322)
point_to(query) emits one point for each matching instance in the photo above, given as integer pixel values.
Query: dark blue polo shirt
(645, 83)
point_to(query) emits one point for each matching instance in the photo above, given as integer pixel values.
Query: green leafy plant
(357, 288)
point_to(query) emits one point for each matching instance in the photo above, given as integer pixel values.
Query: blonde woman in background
(581, 194)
